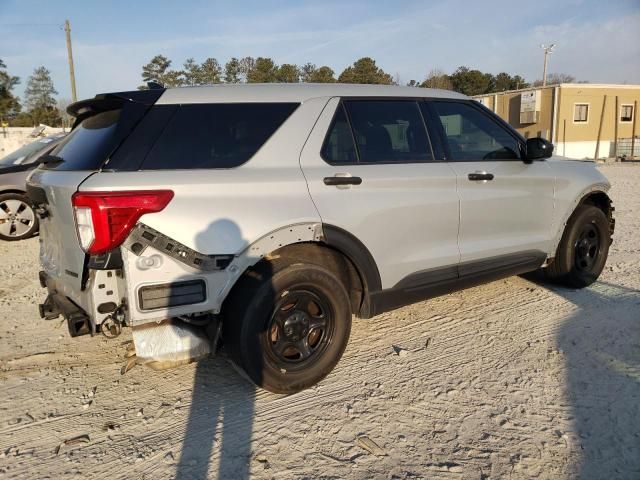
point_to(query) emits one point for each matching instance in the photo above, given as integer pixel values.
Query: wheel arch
(596, 196)
(13, 190)
(325, 245)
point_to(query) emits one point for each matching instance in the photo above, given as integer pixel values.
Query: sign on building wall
(529, 107)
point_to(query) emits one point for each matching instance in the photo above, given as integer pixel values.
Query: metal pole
(615, 129)
(633, 134)
(67, 29)
(544, 69)
(604, 105)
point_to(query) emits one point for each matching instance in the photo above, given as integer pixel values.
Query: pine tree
(39, 98)
(9, 104)
(365, 70)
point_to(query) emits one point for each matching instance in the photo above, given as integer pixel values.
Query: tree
(39, 98)
(191, 73)
(40, 90)
(232, 71)
(157, 70)
(245, 66)
(365, 70)
(503, 81)
(309, 73)
(437, 79)
(210, 72)
(557, 78)
(471, 82)
(9, 104)
(264, 71)
(288, 73)
(65, 118)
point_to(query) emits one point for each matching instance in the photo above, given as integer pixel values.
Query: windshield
(26, 153)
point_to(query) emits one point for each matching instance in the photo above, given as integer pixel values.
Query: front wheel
(17, 218)
(287, 325)
(583, 250)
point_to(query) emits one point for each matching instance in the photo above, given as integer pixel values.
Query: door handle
(480, 176)
(341, 179)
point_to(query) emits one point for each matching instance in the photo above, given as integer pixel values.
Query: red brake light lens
(105, 219)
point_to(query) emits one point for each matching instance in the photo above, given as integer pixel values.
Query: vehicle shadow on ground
(220, 424)
(601, 346)
(222, 409)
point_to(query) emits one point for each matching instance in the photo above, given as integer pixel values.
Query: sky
(597, 41)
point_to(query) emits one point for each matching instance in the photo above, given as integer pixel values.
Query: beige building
(583, 120)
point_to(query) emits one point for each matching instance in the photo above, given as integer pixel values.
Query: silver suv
(268, 215)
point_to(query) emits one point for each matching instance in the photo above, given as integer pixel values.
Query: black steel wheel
(287, 324)
(587, 247)
(300, 329)
(583, 249)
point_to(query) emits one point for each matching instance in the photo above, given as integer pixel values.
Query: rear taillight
(105, 219)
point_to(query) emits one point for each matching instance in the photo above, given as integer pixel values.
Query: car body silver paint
(405, 214)
(218, 282)
(573, 181)
(60, 254)
(292, 92)
(254, 209)
(508, 214)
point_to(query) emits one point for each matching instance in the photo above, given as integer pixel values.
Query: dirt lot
(513, 379)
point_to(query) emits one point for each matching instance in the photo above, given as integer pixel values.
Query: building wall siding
(576, 139)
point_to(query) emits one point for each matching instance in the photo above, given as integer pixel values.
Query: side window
(338, 147)
(221, 135)
(472, 135)
(388, 131)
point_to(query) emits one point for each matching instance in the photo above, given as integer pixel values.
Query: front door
(506, 205)
(371, 171)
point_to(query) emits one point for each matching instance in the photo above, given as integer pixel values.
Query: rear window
(87, 146)
(201, 136)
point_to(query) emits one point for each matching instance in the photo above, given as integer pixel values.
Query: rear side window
(89, 144)
(215, 135)
(338, 147)
(389, 131)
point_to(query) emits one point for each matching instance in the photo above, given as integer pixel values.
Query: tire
(268, 324)
(583, 249)
(17, 218)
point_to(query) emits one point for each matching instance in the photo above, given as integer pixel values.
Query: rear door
(505, 204)
(371, 171)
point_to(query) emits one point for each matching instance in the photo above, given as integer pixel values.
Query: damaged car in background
(266, 216)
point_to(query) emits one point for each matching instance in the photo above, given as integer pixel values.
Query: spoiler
(109, 101)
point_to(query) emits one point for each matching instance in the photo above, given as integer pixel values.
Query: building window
(581, 113)
(626, 113)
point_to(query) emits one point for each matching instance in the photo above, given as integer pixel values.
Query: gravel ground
(513, 379)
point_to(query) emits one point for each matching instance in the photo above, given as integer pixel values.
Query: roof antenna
(153, 85)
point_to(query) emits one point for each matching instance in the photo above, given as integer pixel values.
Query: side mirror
(538, 148)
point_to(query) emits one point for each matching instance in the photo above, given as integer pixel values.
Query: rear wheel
(17, 218)
(583, 250)
(287, 324)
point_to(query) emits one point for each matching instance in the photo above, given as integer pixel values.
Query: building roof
(564, 85)
(293, 92)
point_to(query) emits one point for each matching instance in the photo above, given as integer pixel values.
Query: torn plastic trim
(143, 236)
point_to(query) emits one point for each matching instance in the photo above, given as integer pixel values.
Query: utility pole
(67, 29)
(548, 49)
